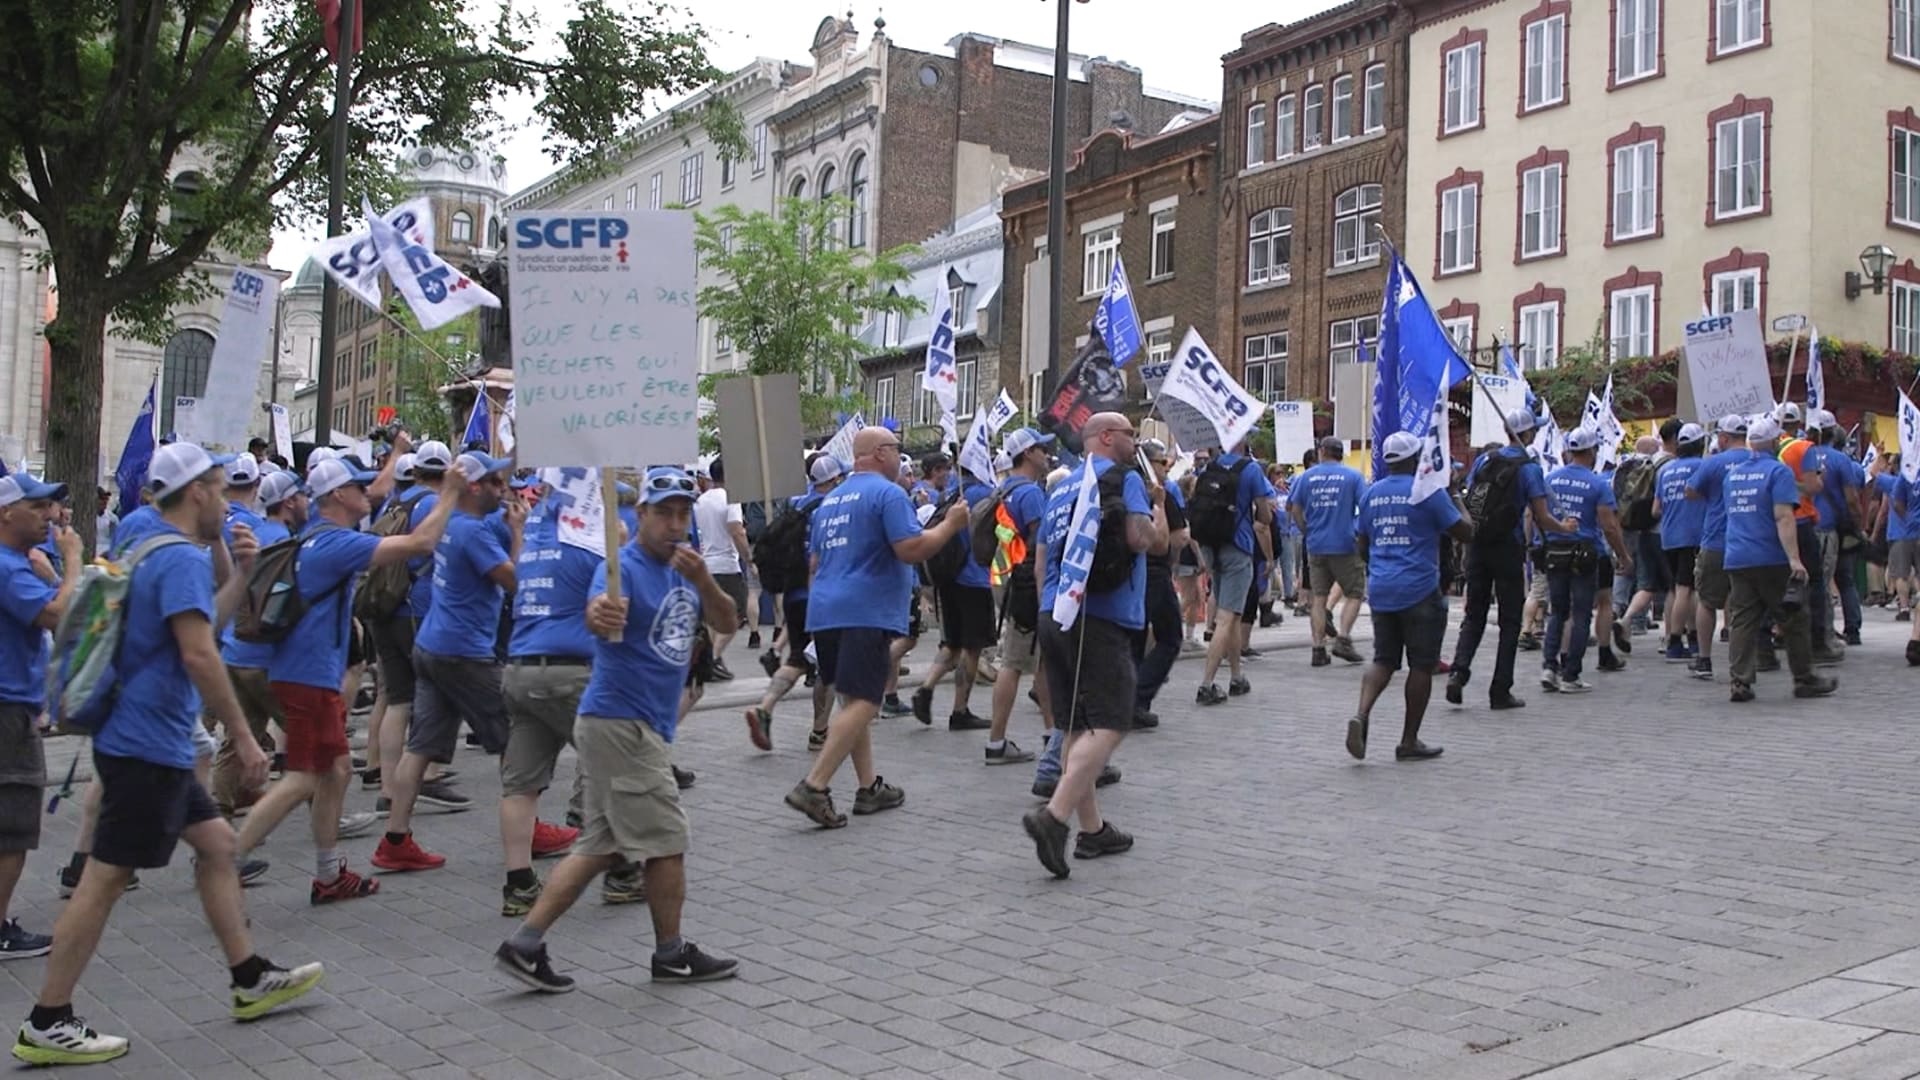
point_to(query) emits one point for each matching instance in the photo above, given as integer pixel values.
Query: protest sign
(1190, 429)
(604, 344)
(840, 447)
(1089, 385)
(760, 435)
(1490, 417)
(1353, 400)
(573, 498)
(1726, 368)
(186, 419)
(1292, 429)
(282, 429)
(1198, 378)
(976, 456)
(221, 419)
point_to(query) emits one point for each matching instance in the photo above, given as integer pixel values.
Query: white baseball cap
(474, 465)
(1521, 421)
(432, 456)
(176, 465)
(18, 486)
(1788, 413)
(1400, 446)
(1023, 440)
(403, 466)
(1821, 420)
(825, 468)
(278, 488)
(1691, 433)
(319, 454)
(243, 471)
(333, 474)
(1733, 424)
(1582, 438)
(1763, 429)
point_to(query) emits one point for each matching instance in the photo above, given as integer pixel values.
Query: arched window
(828, 176)
(462, 227)
(857, 191)
(799, 188)
(183, 371)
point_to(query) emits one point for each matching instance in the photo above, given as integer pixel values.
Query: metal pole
(273, 381)
(1057, 194)
(336, 199)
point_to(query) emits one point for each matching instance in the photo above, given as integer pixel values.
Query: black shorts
(1106, 675)
(143, 810)
(1680, 562)
(915, 624)
(23, 777)
(735, 586)
(966, 617)
(856, 661)
(452, 689)
(359, 649)
(1415, 632)
(393, 646)
(1254, 588)
(797, 636)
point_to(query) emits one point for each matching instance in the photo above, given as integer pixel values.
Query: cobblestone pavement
(1567, 880)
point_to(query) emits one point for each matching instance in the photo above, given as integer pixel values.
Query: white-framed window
(690, 169)
(1540, 335)
(1546, 71)
(1459, 228)
(926, 408)
(1540, 211)
(1906, 318)
(722, 344)
(1463, 88)
(1264, 372)
(960, 295)
(1256, 134)
(1343, 108)
(968, 373)
(1373, 114)
(1313, 127)
(798, 189)
(1162, 261)
(1906, 176)
(656, 191)
(607, 203)
(891, 324)
(633, 196)
(1906, 30)
(1738, 24)
(759, 148)
(1355, 213)
(1461, 331)
(1636, 40)
(1284, 137)
(726, 239)
(1159, 346)
(1349, 341)
(883, 396)
(1630, 328)
(1270, 247)
(857, 191)
(1736, 290)
(729, 171)
(1738, 165)
(1636, 189)
(1102, 248)
(462, 227)
(829, 177)
(1036, 392)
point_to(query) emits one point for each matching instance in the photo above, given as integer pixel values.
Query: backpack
(1213, 510)
(780, 557)
(943, 567)
(1633, 492)
(83, 677)
(1491, 499)
(1112, 558)
(385, 588)
(273, 604)
(983, 529)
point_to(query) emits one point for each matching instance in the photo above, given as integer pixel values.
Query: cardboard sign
(282, 432)
(1292, 429)
(760, 436)
(1190, 429)
(1726, 368)
(1489, 419)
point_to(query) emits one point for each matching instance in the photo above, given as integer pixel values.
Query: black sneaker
(531, 969)
(1239, 687)
(1108, 841)
(893, 707)
(753, 639)
(966, 721)
(1851, 637)
(1455, 686)
(1209, 695)
(1108, 775)
(1145, 719)
(770, 662)
(1507, 701)
(720, 672)
(70, 880)
(1903, 615)
(683, 778)
(1529, 643)
(17, 943)
(692, 965)
(1320, 657)
(1251, 653)
(517, 900)
(1357, 739)
(1621, 640)
(624, 884)
(880, 796)
(1043, 789)
(252, 870)
(1913, 660)
(1418, 751)
(370, 780)
(1741, 692)
(817, 805)
(1049, 835)
(1815, 686)
(923, 705)
(1008, 754)
(1609, 662)
(816, 740)
(1701, 668)
(441, 794)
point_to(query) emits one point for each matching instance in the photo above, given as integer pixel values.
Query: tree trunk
(77, 337)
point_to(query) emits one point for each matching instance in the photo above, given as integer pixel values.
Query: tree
(138, 135)
(419, 373)
(793, 298)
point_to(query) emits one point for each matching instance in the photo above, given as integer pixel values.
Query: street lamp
(1057, 192)
(1876, 260)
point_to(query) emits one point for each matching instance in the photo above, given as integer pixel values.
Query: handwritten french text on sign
(1198, 378)
(604, 355)
(1727, 366)
(226, 407)
(1292, 429)
(573, 498)
(1489, 418)
(1191, 430)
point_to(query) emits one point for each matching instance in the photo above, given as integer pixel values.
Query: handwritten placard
(604, 338)
(1727, 366)
(1292, 429)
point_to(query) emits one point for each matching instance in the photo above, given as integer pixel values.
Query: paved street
(1569, 879)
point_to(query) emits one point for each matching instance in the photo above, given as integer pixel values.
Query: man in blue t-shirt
(967, 628)
(1710, 583)
(628, 717)
(1763, 563)
(1325, 501)
(1400, 539)
(1680, 523)
(1840, 514)
(246, 661)
(825, 473)
(1025, 501)
(393, 636)
(1233, 567)
(1575, 568)
(1892, 523)
(186, 585)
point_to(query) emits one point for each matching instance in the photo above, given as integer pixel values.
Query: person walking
(1763, 562)
(722, 528)
(1680, 521)
(1025, 502)
(1326, 501)
(1711, 586)
(1229, 496)
(1163, 604)
(826, 475)
(1575, 568)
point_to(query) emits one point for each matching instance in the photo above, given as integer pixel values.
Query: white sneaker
(1575, 685)
(276, 987)
(67, 1042)
(1550, 681)
(360, 824)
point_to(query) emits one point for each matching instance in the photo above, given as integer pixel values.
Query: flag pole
(1793, 352)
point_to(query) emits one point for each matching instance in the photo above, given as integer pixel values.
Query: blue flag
(1420, 353)
(477, 429)
(131, 475)
(1117, 319)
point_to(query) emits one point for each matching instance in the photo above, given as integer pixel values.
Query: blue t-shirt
(1888, 485)
(23, 645)
(1754, 488)
(1283, 523)
(1329, 496)
(859, 581)
(641, 676)
(134, 528)
(1252, 485)
(420, 568)
(1682, 520)
(1125, 606)
(972, 574)
(315, 654)
(1830, 502)
(154, 715)
(1577, 491)
(1529, 485)
(1403, 542)
(237, 653)
(1026, 503)
(1710, 483)
(465, 620)
(550, 602)
(1904, 496)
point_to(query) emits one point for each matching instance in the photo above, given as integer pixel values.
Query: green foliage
(423, 363)
(1637, 383)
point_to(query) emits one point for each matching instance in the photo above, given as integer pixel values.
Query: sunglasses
(669, 483)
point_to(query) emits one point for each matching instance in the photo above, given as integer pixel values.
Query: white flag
(1076, 562)
(1816, 372)
(573, 498)
(1549, 443)
(977, 455)
(1872, 455)
(437, 293)
(505, 434)
(840, 447)
(1198, 378)
(1909, 440)
(353, 261)
(1436, 457)
(942, 375)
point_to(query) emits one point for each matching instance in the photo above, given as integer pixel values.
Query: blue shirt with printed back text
(157, 707)
(1682, 520)
(550, 601)
(1710, 483)
(859, 582)
(23, 645)
(1403, 541)
(1329, 496)
(1754, 488)
(1577, 491)
(640, 676)
(315, 653)
(465, 619)
(1125, 606)
(237, 653)
(1529, 484)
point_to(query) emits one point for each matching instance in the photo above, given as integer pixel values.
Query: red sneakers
(550, 840)
(406, 855)
(348, 886)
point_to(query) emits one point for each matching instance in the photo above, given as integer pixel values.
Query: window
(369, 363)
(726, 239)
(1036, 392)
(1539, 335)
(1373, 114)
(1630, 324)
(1256, 134)
(722, 344)
(606, 203)
(957, 295)
(1313, 127)
(883, 396)
(926, 408)
(1270, 247)
(1162, 264)
(1283, 134)
(1462, 98)
(690, 179)
(1349, 341)
(891, 323)
(633, 196)
(1636, 40)
(1540, 193)
(363, 413)
(655, 198)
(1343, 108)
(759, 148)
(857, 192)
(1159, 346)
(1636, 189)
(184, 364)
(1906, 318)
(1905, 197)
(1546, 70)
(340, 417)
(1264, 372)
(1906, 30)
(1355, 213)
(342, 370)
(798, 189)
(1102, 247)
(1461, 331)
(1738, 24)
(462, 227)
(968, 372)
(828, 178)
(1736, 290)
(1459, 228)
(1738, 165)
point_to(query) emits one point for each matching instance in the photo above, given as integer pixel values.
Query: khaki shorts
(1710, 581)
(1537, 587)
(632, 802)
(1018, 649)
(1347, 571)
(541, 703)
(1901, 556)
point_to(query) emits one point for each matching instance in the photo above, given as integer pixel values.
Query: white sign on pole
(1292, 429)
(1489, 420)
(1189, 428)
(604, 354)
(282, 432)
(1727, 366)
(186, 419)
(840, 447)
(1198, 378)
(233, 373)
(573, 498)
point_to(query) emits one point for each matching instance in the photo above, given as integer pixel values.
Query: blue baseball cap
(665, 482)
(24, 487)
(1023, 440)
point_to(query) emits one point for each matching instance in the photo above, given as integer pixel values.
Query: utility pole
(1057, 195)
(336, 203)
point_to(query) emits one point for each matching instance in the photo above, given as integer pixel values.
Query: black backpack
(1633, 493)
(1491, 499)
(943, 567)
(273, 603)
(1112, 558)
(780, 558)
(1213, 510)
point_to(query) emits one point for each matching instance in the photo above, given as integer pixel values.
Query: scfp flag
(1117, 320)
(1076, 562)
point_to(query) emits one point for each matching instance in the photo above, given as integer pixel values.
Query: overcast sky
(1176, 47)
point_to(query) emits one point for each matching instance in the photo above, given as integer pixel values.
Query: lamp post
(1057, 193)
(1876, 260)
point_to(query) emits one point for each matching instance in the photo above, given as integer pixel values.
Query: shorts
(856, 661)
(735, 586)
(1107, 681)
(1603, 575)
(257, 702)
(1650, 567)
(1901, 555)
(541, 701)
(1416, 632)
(797, 636)
(23, 776)
(631, 803)
(144, 808)
(359, 649)
(966, 617)
(1347, 571)
(915, 624)
(315, 720)
(1019, 649)
(1255, 587)
(393, 647)
(453, 688)
(1710, 578)
(1680, 562)
(1232, 571)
